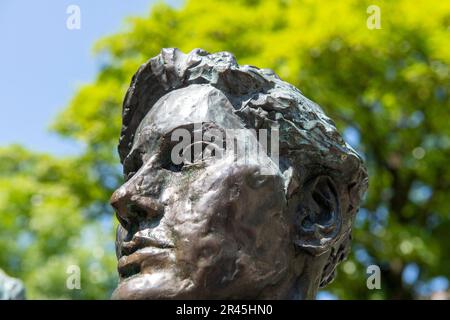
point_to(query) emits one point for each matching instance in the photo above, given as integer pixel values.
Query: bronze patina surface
(221, 229)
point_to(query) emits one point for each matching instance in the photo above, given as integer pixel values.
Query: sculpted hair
(309, 140)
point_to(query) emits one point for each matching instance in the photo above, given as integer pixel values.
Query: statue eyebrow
(133, 160)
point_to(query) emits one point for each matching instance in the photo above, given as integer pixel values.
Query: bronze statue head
(271, 226)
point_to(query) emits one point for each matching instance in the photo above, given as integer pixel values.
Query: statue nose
(132, 208)
(118, 202)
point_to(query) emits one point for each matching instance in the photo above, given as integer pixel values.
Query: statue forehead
(194, 104)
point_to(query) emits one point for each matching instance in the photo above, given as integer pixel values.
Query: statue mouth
(144, 254)
(140, 241)
(144, 260)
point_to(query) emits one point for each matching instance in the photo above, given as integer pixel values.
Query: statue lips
(144, 253)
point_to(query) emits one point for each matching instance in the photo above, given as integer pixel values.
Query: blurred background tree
(387, 89)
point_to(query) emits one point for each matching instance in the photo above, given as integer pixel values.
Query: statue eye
(196, 153)
(200, 152)
(318, 219)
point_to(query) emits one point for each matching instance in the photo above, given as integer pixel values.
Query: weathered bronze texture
(221, 229)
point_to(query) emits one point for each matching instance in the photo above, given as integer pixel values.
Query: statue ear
(318, 217)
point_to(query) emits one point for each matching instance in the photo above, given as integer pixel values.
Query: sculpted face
(217, 227)
(214, 228)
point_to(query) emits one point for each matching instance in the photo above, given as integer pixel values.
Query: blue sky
(42, 63)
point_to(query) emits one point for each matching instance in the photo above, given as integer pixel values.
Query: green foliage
(45, 227)
(389, 87)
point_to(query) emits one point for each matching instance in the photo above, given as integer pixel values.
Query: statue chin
(155, 285)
